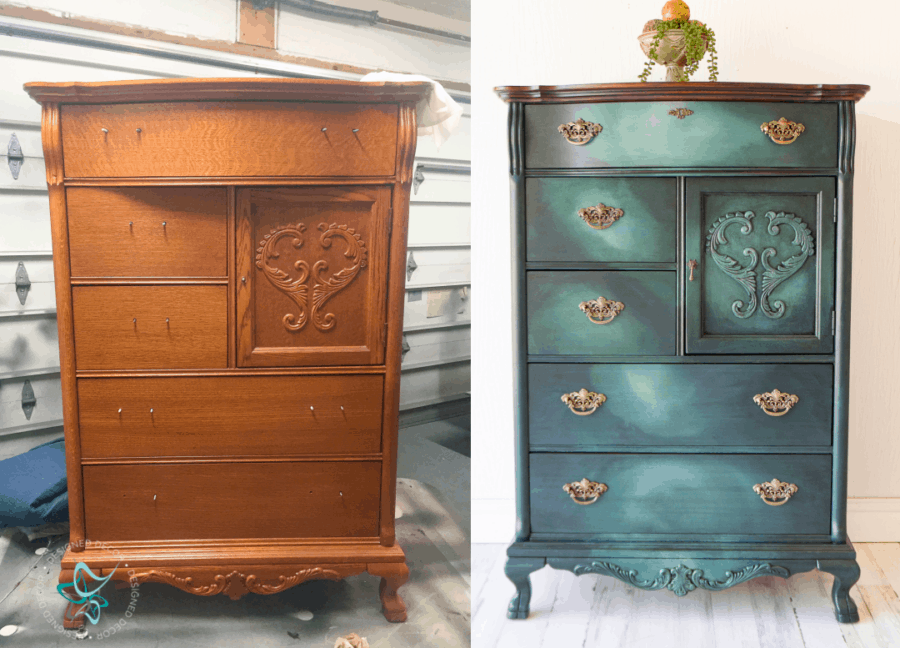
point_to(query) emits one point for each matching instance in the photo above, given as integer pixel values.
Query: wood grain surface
(315, 499)
(278, 415)
(229, 139)
(147, 231)
(125, 327)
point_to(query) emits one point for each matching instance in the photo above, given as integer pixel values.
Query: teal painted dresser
(681, 326)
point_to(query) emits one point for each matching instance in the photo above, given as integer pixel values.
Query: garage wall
(436, 367)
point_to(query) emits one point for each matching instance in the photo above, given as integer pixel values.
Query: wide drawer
(566, 315)
(600, 219)
(147, 231)
(150, 327)
(678, 405)
(230, 415)
(230, 138)
(232, 500)
(681, 494)
(647, 134)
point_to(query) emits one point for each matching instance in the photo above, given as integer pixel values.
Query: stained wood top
(226, 89)
(699, 91)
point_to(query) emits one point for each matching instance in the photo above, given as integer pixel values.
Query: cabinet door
(764, 279)
(312, 275)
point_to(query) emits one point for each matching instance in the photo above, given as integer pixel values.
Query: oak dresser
(230, 264)
(682, 306)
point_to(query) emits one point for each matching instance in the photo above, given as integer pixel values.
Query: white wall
(530, 42)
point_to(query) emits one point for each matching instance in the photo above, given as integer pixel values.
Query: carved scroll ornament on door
(773, 275)
(325, 285)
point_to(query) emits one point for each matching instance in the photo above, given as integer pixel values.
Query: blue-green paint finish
(718, 134)
(557, 326)
(765, 280)
(645, 233)
(681, 494)
(679, 404)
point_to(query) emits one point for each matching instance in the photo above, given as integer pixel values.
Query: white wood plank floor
(768, 612)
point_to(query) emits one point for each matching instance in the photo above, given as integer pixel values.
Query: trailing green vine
(698, 39)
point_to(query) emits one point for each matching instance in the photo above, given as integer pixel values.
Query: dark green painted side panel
(682, 494)
(718, 134)
(645, 233)
(668, 405)
(724, 316)
(556, 325)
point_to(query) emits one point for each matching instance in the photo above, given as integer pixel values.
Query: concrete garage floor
(433, 528)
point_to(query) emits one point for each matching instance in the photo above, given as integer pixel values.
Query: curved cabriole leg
(846, 573)
(393, 576)
(518, 571)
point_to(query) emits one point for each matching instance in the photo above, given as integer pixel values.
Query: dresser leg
(518, 570)
(846, 573)
(393, 576)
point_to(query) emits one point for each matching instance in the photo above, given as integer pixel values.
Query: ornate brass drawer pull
(600, 217)
(681, 113)
(586, 491)
(583, 402)
(775, 493)
(580, 132)
(776, 403)
(601, 310)
(782, 131)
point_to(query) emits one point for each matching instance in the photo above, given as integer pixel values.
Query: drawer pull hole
(154, 498)
(120, 410)
(583, 402)
(775, 492)
(130, 224)
(138, 131)
(134, 320)
(776, 403)
(601, 310)
(324, 129)
(585, 492)
(105, 131)
(151, 410)
(600, 216)
(355, 130)
(167, 320)
(243, 279)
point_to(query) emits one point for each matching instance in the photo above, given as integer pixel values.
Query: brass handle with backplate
(776, 403)
(601, 310)
(585, 492)
(782, 131)
(583, 402)
(600, 216)
(775, 492)
(580, 132)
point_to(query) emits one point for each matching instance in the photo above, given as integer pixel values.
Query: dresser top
(226, 89)
(698, 91)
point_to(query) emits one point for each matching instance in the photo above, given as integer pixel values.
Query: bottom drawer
(232, 500)
(680, 494)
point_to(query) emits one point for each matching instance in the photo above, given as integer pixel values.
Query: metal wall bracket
(411, 266)
(421, 167)
(23, 283)
(404, 349)
(28, 399)
(418, 179)
(14, 156)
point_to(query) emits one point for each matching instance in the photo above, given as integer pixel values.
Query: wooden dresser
(230, 263)
(682, 306)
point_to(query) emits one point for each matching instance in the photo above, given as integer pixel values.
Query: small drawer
(679, 405)
(600, 219)
(328, 499)
(232, 138)
(680, 494)
(648, 134)
(601, 313)
(230, 415)
(147, 231)
(150, 327)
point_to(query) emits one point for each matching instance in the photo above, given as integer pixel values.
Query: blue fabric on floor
(33, 487)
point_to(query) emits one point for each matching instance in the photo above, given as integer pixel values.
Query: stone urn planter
(670, 52)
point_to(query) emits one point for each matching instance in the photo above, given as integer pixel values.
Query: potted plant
(679, 43)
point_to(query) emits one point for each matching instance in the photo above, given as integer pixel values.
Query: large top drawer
(658, 134)
(229, 138)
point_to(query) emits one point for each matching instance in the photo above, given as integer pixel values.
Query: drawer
(230, 138)
(150, 327)
(600, 219)
(681, 494)
(147, 231)
(678, 405)
(230, 415)
(232, 500)
(557, 325)
(717, 134)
